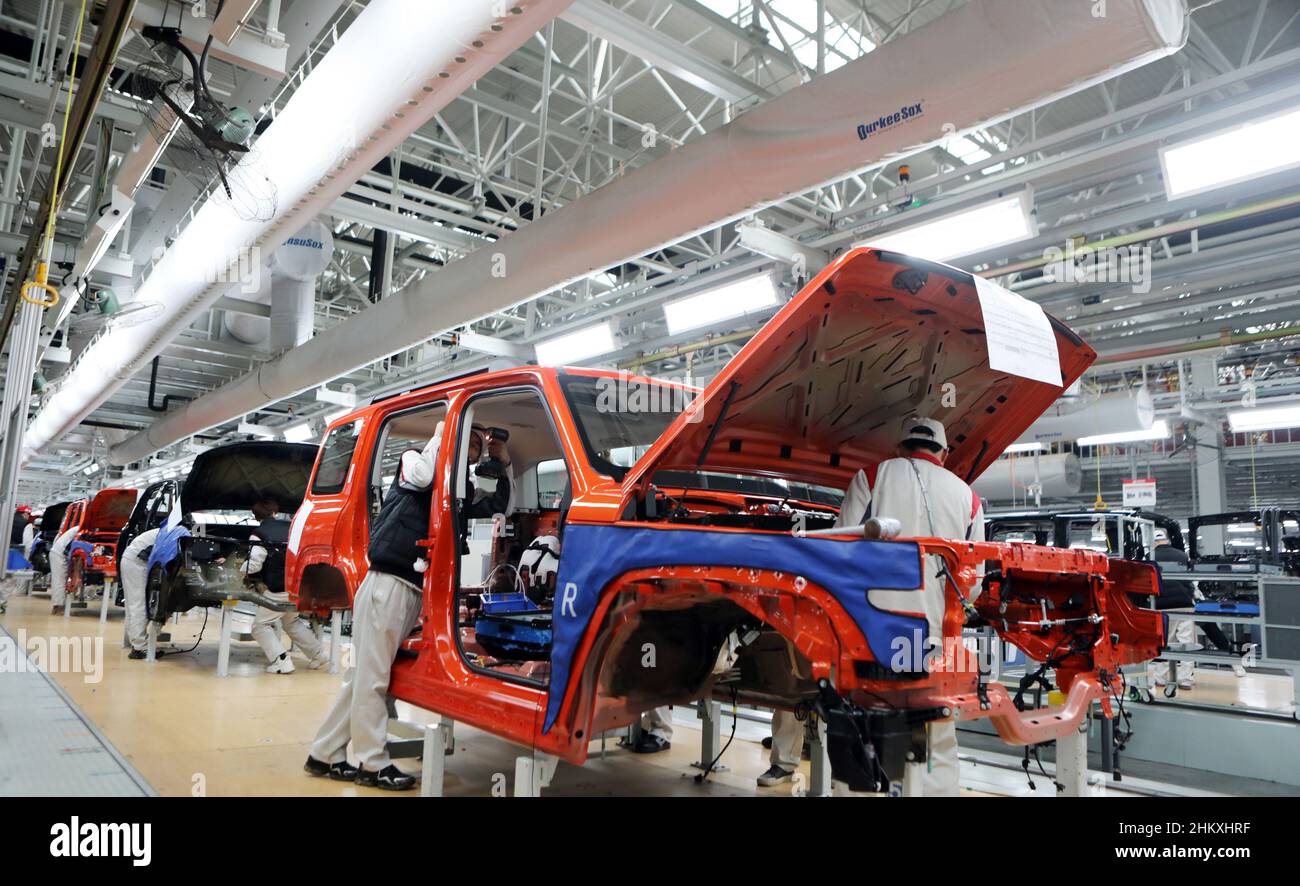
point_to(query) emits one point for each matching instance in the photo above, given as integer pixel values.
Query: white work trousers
(787, 741)
(133, 573)
(658, 721)
(59, 566)
(267, 624)
(1183, 633)
(383, 615)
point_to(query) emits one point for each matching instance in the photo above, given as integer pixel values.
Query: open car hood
(109, 510)
(877, 337)
(52, 518)
(232, 478)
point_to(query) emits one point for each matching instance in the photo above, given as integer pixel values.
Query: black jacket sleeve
(489, 505)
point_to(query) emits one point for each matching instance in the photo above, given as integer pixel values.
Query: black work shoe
(775, 775)
(650, 743)
(341, 771)
(390, 778)
(138, 654)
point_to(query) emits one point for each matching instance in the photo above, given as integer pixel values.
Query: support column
(13, 414)
(710, 714)
(437, 739)
(820, 783)
(534, 772)
(1072, 762)
(227, 627)
(1210, 490)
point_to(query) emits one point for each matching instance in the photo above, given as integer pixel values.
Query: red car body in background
(93, 553)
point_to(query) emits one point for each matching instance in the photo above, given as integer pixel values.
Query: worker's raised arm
(416, 466)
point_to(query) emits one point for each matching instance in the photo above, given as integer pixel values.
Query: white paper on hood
(1019, 335)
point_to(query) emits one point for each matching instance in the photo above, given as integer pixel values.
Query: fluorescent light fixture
(299, 433)
(1159, 430)
(576, 346)
(332, 417)
(1264, 419)
(90, 469)
(721, 303)
(256, 430)
(1242, 528)
(1257, 148)
(989, 225)
(339, 398)
(1024, 447)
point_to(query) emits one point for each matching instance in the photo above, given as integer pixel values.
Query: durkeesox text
(103, 840)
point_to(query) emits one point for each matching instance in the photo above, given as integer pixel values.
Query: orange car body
(818, 393)
(94, 550)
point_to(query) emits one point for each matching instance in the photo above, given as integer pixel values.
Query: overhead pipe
(1181, 226)
(1054, 475)
(387, 75)
(1209, 344)
(1073, 417)
(1013, 55)
(288, 286)
(153, 391)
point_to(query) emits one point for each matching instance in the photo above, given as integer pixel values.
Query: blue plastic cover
(17, 562)
(596, 555)
(166, 546)
(1214, 608)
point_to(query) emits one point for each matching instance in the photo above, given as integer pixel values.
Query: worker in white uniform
(656, 731)
(928, 500)
(59, 568)
(133, 572)
(264, 570)
(29, 533)
(386, 609)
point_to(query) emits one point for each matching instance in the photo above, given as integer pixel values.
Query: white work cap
(927, 430)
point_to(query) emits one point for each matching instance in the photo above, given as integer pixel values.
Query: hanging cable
(42, 280)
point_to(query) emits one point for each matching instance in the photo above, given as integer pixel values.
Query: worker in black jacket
(384, 612)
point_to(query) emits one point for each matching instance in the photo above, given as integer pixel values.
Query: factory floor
(187, 732)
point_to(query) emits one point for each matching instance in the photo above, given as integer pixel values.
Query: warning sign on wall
(1140, 493)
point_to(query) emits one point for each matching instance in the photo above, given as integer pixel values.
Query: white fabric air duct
(397, 65)
(975, 65)
(1019, 477)
(288, 285)
(1070, 419)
